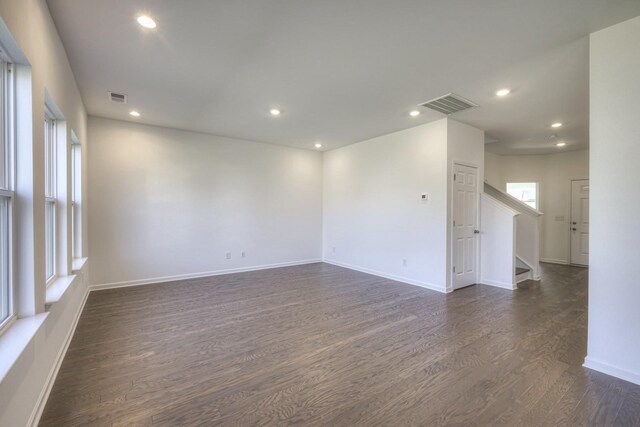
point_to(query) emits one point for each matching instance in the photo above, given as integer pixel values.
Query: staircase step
(520, 270)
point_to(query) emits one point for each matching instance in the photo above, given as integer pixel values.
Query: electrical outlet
(228, 255)
(404, 262)
(243, 254)
(424, 197)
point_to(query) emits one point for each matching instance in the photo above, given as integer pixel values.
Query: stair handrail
(506, 197)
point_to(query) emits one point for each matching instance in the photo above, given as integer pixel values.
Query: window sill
(56, 290)
(77, 264)
(15, 340)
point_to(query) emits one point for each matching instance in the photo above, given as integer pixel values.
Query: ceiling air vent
(449, 104)
(118, 97)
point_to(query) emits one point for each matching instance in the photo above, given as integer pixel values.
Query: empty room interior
(337, 213)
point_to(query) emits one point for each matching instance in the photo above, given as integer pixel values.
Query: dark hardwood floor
(322, 345)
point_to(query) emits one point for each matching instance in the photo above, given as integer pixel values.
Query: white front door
(465, 225)
(580, 222)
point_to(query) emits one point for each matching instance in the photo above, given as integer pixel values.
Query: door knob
(574, 223)
(574, 229)
(476, 231)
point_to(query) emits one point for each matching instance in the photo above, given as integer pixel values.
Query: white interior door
(580, 222)
(465, 225)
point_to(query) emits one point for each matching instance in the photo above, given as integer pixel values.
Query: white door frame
(450, 230)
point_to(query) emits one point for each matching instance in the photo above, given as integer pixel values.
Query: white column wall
(614, 288)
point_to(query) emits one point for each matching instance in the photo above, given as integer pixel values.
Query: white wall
(614, 289)
(373, 214)
(170, 203)
(374, 217)
(497, 242)
(30, 24)
(493, 169)
(554, 172)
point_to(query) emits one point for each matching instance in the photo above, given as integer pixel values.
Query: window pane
(75, 200)
(6, 104)
(5, 142)
(49, 157)
(524, 191)
(74, 216)
(46, 157)
(75, 171)
(5, 292)
(50, 208)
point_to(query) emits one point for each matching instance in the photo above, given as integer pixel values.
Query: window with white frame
(50, 194)
(526, 192)
(76, 207)
(7, 103)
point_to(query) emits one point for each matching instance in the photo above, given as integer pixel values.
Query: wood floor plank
(322, 345)
(629, 412)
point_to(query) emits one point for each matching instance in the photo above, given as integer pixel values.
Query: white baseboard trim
(153, 280)
(554, 261)
(34, 419)
(614, 371)
(425, 285)
(503, 285)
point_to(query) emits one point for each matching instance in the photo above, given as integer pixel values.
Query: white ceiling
(342, 71)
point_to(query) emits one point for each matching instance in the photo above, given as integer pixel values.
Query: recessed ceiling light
(146, 21)
(274, 112)
(318, 145)
(556, 125)
(134, 113)
(414, 113)
(561, 144)
(503, 92)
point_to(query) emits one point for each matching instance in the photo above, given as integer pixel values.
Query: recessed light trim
(275, 112)
(503, 92)
(556, 125)
(318, 145)
(134, 113)
(414, 113)
(561, 144)
(146, 21)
